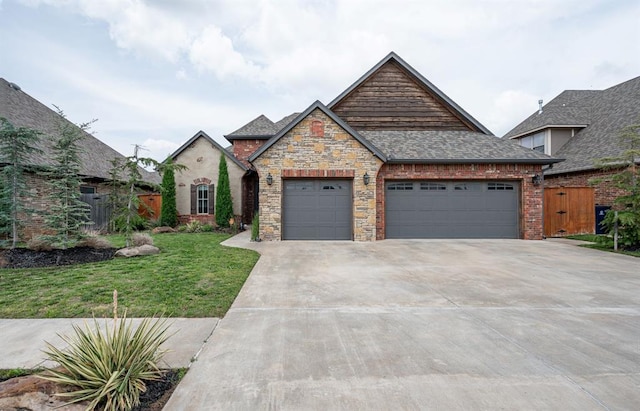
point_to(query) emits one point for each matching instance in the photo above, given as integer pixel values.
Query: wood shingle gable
(394, 96)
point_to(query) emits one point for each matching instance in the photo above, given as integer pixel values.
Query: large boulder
(34, 394)
(145, 249)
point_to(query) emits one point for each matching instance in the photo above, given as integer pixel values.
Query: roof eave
(248, 137)
(474, 161)
(533, 130)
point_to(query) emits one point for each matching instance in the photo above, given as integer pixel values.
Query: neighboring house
(22, 110)
(580, 126)
(196, 186)
(390, 157)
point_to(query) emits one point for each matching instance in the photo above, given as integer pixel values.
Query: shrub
(224, 203)
(39, 243)
(194, 226)
(137, 223)
(109, 368)
(139, 239)
(94, 241)
(168, 211)
(206, 228)
(255, 228)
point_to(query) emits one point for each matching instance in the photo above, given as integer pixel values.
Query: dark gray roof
(227, 152)
(421, 79)
(259, 127)
(22, 110)
(604, 113)
(319, 106)
(435, 146)
(282, 123)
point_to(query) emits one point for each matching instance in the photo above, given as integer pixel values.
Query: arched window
(202, 199)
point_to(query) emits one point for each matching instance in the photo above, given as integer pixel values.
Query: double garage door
(322, 209)
(451, 209)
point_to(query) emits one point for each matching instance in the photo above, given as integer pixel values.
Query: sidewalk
(23, 340)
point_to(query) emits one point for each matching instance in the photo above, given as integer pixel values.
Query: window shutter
(194, 199)
(212, 209)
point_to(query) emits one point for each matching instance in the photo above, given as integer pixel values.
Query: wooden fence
(150, 205)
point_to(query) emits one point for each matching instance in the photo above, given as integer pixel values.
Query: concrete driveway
(425, 324)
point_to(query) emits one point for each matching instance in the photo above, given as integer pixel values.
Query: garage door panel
(317, 210)
(451, 209)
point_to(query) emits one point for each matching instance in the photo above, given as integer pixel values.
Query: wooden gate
(568, 211)
(150, 205)
(100, 212)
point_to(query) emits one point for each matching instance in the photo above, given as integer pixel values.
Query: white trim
(534, 130)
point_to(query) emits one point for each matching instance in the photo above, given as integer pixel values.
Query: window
(400, 186)
(534, 142)
(499, 186)
(433, 186)
(87, 190)
(203, 199)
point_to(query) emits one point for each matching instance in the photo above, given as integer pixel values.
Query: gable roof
(436, 146)
(317, 105)
(421, 80)
(202, 134)
(259, 127)
(602, 113)
(22, 110)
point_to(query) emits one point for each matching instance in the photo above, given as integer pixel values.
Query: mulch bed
(26, 258)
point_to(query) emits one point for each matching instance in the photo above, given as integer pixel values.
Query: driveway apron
(425, 324)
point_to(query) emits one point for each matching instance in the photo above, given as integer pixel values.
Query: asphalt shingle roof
(260, 126)
(451, 147)
(22, 110)
(604, 113)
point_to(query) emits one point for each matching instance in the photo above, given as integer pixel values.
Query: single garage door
(451, 209)
(317, 210)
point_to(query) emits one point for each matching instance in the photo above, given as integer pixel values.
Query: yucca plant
(109, 368)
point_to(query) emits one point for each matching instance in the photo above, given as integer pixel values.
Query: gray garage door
(317, 210)
(451, 209)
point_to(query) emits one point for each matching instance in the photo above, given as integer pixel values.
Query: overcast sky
(155, 72)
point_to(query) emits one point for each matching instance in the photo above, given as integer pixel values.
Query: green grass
(601, 242)
(193, 276)
(17, 372)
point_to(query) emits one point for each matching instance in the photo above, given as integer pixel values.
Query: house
(22, 110)
(195, 186)
(390, 157)
(580, 126)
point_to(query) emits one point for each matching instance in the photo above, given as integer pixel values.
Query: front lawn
(193, 276)
(601, 242)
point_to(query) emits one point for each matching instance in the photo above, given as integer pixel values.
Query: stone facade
(531, 196)
(604, 192)
(203, 160)
(317, 147)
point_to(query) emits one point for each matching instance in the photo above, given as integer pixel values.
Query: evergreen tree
(169, 212)
(626, 211)
(67, 215)
(16, 145)
(224, 204)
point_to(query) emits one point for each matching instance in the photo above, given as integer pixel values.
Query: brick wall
(317, 148)
(604, 192)
(530, 195)
(243, 149)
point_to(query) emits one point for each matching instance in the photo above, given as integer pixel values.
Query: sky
(155, 72)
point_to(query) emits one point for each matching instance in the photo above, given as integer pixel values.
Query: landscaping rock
(34, 394)
(162, 230)
(145, 249)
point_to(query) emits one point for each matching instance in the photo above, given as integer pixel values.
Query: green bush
(255, 228)
(206, 228)
(109, 368)
(137, 223)
(194, 226)
(169, 211)
(224, 203)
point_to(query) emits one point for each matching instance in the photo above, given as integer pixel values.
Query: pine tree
(68, 214)
(16, 145)
(625, 214)
(224, 203)
(169, 212)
